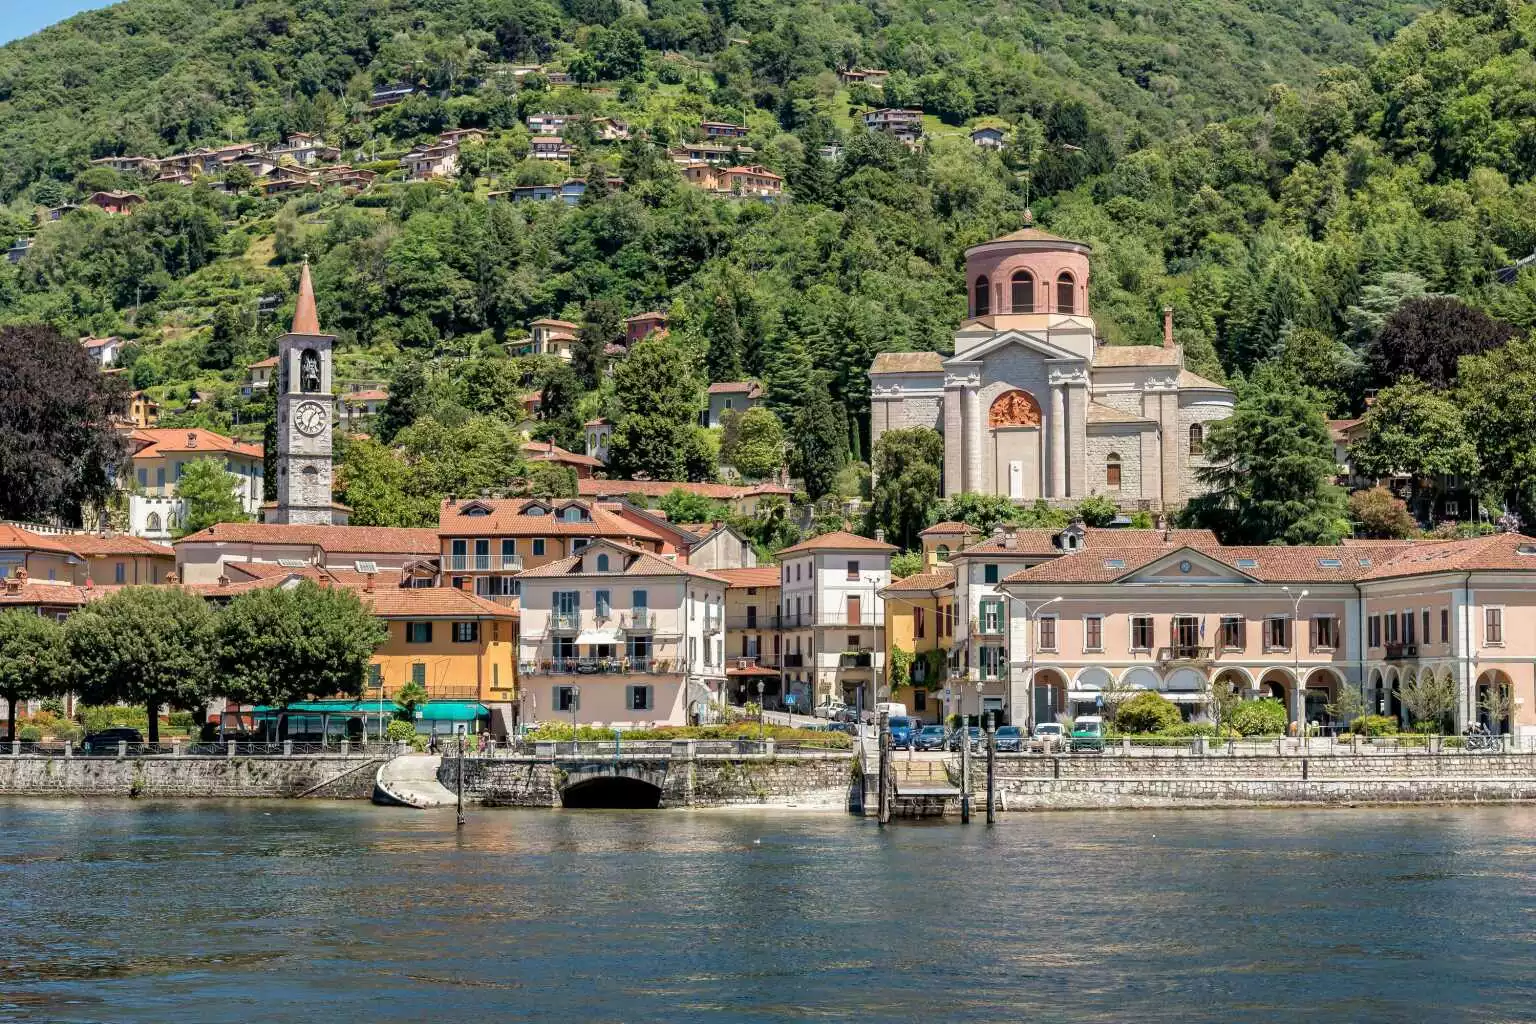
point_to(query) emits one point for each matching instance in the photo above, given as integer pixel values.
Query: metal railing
(856, 659)
(765, 621)
(621, 747)
(1396, 651)
(485, 563)
(983, 625)
(638, 620)
(600, 666)
(746, 661)
(229, 748)
(1184, 652)
(565, 622)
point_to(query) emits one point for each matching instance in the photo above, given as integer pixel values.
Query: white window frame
(1221, 628)
(1503, 625)
(1131, 622)
(1100, 647)
(1318, 633)
(1055, 621)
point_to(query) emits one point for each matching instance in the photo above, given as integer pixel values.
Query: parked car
(106, 741)
(829, 708)
(930, 737)
(1088, 733)
(1010, 739)
(902, 729)
(971, 735)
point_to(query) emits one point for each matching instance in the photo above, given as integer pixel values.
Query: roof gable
(1032, 340)
(1187, 565)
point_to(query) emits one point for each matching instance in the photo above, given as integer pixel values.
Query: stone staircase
(410, 780)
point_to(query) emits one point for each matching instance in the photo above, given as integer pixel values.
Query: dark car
(902, 730)
(972, 736)
(106, 741)
(1010, 739)
(930, 737)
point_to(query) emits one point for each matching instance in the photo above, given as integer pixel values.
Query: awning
(598, 636)
(452, 711)
(332, 707)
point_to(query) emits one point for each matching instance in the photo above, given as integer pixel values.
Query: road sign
(789, 699)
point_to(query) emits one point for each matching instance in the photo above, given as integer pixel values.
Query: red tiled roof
(154, 441)
(508, 519)
(938, 578)
(758, 576)
(656, 489)
(14, 537)
(305, 319)
(1043, 542)
(1135, 355)
(840, 540)
(95, 343)
(371, 395)
(736, 387)
(269, 361)
(386, 601)
(119, 544)
(948, 529)
(548, 451)
(393, 540)
(642, 563)
(547, 322)
(34, 593)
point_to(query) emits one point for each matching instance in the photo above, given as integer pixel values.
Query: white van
(891, 710)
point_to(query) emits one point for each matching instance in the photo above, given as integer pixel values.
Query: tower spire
(305, 319)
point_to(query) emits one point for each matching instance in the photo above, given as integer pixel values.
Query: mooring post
(459, 781)
(991, 768)
(965, 772)
(884, 802)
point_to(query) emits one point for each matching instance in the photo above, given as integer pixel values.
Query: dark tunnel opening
(612, 791)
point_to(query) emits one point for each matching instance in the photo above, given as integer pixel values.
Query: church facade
(1033, 405)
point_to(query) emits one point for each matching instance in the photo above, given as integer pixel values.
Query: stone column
(1077, 437)
(973, 436)
(954, 440)
(1058, 440)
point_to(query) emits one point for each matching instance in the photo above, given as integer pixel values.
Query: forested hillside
(1291, 189)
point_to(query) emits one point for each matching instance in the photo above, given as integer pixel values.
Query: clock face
(310, 418)
(1185, 567)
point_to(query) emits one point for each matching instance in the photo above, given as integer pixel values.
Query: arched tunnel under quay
(613, 792)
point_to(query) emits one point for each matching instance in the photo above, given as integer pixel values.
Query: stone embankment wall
(1112, 781)
(332, 777)
(799, 780)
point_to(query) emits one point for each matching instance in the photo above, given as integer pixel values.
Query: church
(1034, 405)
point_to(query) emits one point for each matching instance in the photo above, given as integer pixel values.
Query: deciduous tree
(908, 473)
(31, 660)
(1381, 514)
(1424, 337)
(207, 491)
(1415, 430)
(756, 444)
(1497, 393)
(658, 398)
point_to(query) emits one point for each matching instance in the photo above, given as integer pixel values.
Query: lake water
(341, 912)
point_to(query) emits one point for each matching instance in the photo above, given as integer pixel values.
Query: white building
(834, 618)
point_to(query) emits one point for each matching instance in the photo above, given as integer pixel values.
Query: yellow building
(920, 620)
(943, 539)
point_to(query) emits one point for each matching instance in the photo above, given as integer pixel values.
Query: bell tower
(304, 403)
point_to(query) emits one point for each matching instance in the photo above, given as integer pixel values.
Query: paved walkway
(410, 780)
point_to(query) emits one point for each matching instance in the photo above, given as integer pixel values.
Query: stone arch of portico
(1092, 678)
(1391, 683)
(1280, 684)
(1240, 678)
(1050, 694)
(1489, 683)
(1140, 677)
(1322, 688)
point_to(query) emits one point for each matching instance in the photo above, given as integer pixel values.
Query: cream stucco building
(1034, 405)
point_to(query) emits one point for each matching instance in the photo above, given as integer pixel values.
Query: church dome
(1028, 271)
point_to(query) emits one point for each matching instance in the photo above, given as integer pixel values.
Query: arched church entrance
(1013, 421)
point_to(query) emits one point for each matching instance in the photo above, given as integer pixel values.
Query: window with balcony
(466, 632)
(482, 555)
(1493, 626)
(1391, 620)
(603, 601)
(1047, 632)
(1141, 632)
(1093, 633)
(418, 632)
(1234, 633)
(1185, 633)
(992, 615)
(1277, 634)
(989, 573)
(1325, 633)
(992, 661)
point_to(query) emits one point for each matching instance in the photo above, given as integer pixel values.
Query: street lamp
(760, 714)
(575, 699)
(1299, 700)
(1029, 628)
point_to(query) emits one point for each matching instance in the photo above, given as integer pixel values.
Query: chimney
(223, 580)
(997, 532)
(1010, 539)
(12, 585)
(368, 583)
(453, 499)
(1167, 327)
(172, 579)
(191, 439)
(1162, 524)
(23, 575)
(880, 534)
(89, 583)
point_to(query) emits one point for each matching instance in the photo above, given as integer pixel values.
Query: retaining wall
(322, 777)
(706, 780)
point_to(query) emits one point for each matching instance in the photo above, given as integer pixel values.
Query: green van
(1088, 734)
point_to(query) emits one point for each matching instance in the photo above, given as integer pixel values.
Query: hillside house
(550, 124)
(115, 202)
(732, 396)
(259, 376)
(642, 325)
(691, 153)
(18, 250)
(548, 337)
(362, 404)
(161, 455)
(608, 129)
(103, 350)
(753, 180)
(905, 124)
(147, 166)
(389, 95)
(548, 451)
(722, 130)
(549, 147)
(864, 76)
(428, 162)
(988, 138)
(599, 435)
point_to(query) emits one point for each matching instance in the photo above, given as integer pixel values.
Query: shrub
(29, 733)
(1374, 725)
(400, 732)
(110, 716)
(1147, 712)
(1263, 717)
(1191, 729)
(183, 721)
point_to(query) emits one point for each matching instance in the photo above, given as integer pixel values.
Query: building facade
(919, 633)
(1034, 405)
(833, 618)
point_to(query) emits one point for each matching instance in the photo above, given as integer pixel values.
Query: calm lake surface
(341, 912)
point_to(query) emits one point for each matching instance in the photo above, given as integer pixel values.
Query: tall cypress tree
(820, 440)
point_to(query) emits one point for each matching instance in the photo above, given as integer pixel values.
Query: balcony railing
(772, 621)
(856, 659)
(794, 661)
(599, 666)
(565, 622)
(751, 661)
(837, 620)
(640, 620)
(713, 623)
(485, 563)
(1398, 651)
(1184, 652)
(984, 626)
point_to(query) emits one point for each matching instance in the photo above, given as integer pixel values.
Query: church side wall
(1193, 410)
(1125, 441)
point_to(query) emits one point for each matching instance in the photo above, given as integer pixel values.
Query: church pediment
(1035, 341)
(1188, 566)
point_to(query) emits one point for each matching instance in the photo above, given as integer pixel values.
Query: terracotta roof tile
(758, 576)
(1191, 380)
(950, 528)
(35, 593)
(119, 544)
(507, 518)
(840, 540)
(657, 488)
(14, 537)
(1135, 355)
(153, 441)
(907, 362)
(639, 563)
(1043, 542)
(938, 578)
(392, 540)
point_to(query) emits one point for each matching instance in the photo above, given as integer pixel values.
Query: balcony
(748, 662)
(565, 622)
(639, 620)
(986, 626)
(713, 623)
(794, 661)
(856, 659)
(599, 666)
(1397, 652)
(1184, 654)
(772, 621)
(485, 563)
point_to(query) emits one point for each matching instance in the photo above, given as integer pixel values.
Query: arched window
(602, 563)
(943, 552)
(1023, 298)
(1066, 290)
(983, 297)
(1112, 470)
(152, 524)
(1196, 439)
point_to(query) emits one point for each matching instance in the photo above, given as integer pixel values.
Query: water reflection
(345, 912)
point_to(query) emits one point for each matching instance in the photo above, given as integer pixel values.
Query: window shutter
(650, 698)
(1312, 637)
(429, 632)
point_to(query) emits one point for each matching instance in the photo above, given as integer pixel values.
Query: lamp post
(1029, 628)
(760, 713)
(1300, 698)
(575, 700)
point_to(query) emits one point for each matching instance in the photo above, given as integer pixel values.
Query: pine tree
(723, 360)
(659, 401)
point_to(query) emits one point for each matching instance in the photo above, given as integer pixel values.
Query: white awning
(598, 636)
